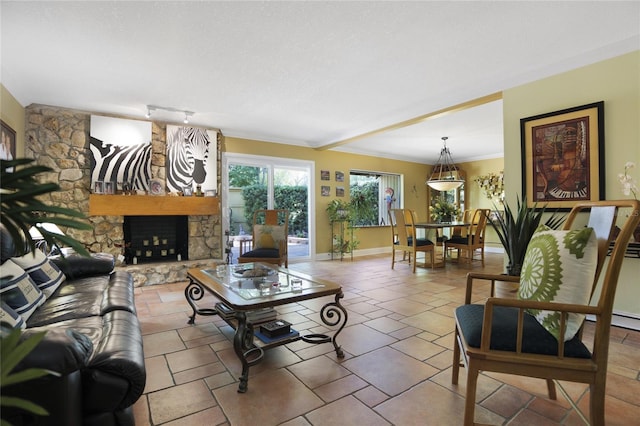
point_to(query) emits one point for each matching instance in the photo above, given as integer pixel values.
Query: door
(250, 183)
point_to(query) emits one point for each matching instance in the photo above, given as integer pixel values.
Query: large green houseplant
(516, 227)
(20, 209)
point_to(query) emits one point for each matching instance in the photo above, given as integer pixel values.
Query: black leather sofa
(93, 340)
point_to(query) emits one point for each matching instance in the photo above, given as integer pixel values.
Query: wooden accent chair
(501, 336)
(473, 240)
(403, 230)
(269, 243)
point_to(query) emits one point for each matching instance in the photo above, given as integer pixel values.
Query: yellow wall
(415, 193)
(615, 81)
(12, 113)
(476, 198)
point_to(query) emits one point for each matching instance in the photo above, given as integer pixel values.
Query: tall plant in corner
(516, 227)
(20, 209)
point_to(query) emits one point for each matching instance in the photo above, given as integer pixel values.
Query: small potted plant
(515, 229)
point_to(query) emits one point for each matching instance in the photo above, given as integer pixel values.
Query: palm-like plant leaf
(515, 229)
(21, 209)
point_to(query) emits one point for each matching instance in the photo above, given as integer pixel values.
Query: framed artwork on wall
(339, 191)
(325, 175)
(563, 156)
(7, 142)
(325, 190)
(339, 176)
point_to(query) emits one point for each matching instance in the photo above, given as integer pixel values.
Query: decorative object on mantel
(156, 187)
(445, 175)
(492, 185)
(443, 211)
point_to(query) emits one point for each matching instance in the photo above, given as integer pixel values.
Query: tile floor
(396, 370)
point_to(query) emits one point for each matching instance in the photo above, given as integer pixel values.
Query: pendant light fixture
(445, 175)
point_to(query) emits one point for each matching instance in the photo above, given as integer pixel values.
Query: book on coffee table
(266, 339)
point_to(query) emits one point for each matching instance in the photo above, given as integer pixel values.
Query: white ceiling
(308, 73)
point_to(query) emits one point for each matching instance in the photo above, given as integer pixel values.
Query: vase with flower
(443, 211)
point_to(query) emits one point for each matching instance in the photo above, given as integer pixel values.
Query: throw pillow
(559, 266)
(42, 271)
(268, 236)
(18, 290)
(11, 317)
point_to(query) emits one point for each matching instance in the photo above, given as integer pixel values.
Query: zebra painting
(113, 163)
(191, 158)
(120, 152)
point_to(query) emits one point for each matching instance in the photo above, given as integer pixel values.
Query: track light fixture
(187, 114)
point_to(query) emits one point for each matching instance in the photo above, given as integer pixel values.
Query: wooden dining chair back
(269, 243)
(405, 240)
(472, 242)
(508, 336)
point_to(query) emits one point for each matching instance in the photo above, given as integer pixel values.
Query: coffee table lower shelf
(248, 347)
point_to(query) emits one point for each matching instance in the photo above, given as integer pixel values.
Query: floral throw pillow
(268, 236)
(559, 266)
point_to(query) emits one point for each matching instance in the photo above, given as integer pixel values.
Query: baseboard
(622, 319)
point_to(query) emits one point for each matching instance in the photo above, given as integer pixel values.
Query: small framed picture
(339, 191)
(325, 190)
(8, 142)
(325, 175)
(98, 187)
(339, 176)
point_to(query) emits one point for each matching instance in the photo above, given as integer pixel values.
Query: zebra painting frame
(121, 151)
(192, 157)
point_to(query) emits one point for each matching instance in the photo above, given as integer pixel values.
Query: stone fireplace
(59, 139)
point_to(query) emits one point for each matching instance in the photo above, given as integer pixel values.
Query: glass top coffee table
(249, 287)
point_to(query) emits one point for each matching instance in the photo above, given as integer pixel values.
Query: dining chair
(469, 242)
(404, 230)
(269, 243)
(539, 334)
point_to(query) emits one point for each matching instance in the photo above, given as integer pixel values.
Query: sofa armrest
(76, 266)
(117, 364)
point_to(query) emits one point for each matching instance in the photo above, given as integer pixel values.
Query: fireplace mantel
(152, 205)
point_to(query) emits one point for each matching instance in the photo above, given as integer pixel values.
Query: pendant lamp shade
(445, 175)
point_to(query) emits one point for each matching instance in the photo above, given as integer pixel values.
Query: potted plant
(342, 212)
(516, 227)
(443, 211)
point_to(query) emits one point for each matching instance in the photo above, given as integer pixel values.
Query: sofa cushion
(87, 297)
(559, 266)
(11, 317)
(18, 290)
(42, 271)
(76, 266)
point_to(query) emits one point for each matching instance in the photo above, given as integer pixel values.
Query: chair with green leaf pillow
(539, 334)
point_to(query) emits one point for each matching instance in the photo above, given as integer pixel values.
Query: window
(372, 195)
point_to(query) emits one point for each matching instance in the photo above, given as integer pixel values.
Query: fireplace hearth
(155, 239)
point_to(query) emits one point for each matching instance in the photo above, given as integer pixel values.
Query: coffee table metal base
(332, 314)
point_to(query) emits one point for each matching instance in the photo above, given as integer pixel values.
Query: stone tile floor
(397, 366)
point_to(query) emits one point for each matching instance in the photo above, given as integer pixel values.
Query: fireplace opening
(156, 239)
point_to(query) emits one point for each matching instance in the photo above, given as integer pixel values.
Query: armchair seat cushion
(263, 252)
(536, 339)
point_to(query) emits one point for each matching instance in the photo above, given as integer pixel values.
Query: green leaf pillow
(559, 266)
(268, 236)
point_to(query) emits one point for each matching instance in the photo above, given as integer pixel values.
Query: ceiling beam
(429, 116)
